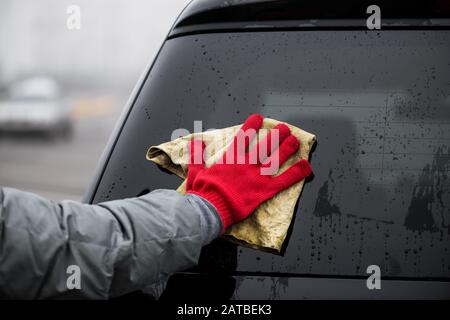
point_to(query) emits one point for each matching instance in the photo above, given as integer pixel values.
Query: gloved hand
(235, 186)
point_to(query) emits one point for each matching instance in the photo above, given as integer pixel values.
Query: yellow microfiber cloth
(267, 227)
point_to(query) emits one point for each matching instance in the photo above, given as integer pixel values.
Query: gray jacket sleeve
(75, 250)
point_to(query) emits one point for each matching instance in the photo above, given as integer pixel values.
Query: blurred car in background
(34, 104)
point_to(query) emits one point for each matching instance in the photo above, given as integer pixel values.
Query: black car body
(379, 103)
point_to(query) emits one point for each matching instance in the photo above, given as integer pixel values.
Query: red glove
(236, 189)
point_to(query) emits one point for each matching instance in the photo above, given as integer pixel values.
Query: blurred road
(113, 46)
(58, 169)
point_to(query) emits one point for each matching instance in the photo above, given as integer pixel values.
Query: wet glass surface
(379, 104)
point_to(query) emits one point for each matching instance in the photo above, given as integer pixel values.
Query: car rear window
(379, 104)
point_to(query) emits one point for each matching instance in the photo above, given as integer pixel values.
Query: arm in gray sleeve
(112, 248)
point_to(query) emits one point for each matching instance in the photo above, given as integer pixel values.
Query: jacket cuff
(210, 222)
(221, 208)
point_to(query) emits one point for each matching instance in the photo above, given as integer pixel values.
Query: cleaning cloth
(267, 227)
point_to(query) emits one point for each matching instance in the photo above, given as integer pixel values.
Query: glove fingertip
(293, 143)
(305, 167)
(254, 121)
(196, 149)
(283, 130)
(194, 143)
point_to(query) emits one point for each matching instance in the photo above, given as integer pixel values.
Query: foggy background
(95, 69)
